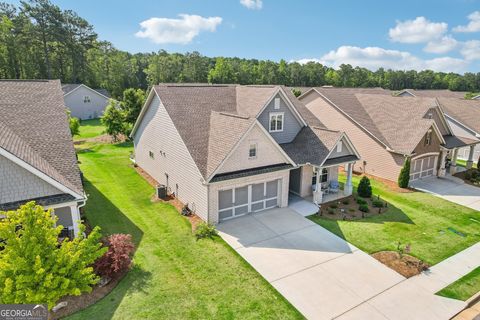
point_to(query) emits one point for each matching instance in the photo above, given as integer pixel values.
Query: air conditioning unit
(162, 191)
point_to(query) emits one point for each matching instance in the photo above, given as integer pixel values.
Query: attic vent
(430, 115)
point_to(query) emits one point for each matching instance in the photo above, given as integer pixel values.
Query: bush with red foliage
(118, 257)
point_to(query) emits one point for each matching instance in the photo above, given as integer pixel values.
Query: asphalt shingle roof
(34, 127)
(68, 87)
(212, 118)
(464, 111)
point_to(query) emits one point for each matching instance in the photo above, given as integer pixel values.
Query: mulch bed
(392, 185)
(77, 303)
(406, 265)
(349, 211)
(104, 138)
(461, 175)
(194, 219)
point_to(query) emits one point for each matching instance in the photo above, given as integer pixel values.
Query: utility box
(162, 191)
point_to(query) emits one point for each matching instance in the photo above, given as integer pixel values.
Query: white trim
(254, 123)
(39, 173)
(287, 101)
(422, 157)
(343, 135)
(405, 91)
(82, 85)
(61, 205)
(476, 97)
(442, 115)
(475, 133)
(255, 144)
(275, 114)
(146, 105)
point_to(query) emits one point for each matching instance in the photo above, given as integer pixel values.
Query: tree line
(39, 40)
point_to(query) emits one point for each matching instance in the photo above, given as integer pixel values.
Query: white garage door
(423, 167)
(252, 198)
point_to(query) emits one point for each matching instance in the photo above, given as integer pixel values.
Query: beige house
(386, 129)
(84, 102)
(230, 150)
(37, 158)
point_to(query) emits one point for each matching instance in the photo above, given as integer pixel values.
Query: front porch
(320, 184)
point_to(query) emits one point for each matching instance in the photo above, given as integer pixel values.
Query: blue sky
(441, 35)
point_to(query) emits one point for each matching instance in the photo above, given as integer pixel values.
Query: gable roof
(69, 87)
(211, 119)
(467, 112)
(433, 93)
(34, 130)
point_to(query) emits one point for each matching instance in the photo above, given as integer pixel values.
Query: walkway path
(415, 297)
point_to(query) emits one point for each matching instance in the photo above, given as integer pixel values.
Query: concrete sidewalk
(415, 297)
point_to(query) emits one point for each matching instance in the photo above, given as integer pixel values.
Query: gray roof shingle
(68, 87)
(464, 111)
(34, 127)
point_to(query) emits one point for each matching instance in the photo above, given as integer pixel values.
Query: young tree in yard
(35, 267)
(118, 257)
(364, 188)
(404, 176)
(113, 120)
(131, 104)
(74, 124)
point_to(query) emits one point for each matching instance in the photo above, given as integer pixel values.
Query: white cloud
(182, 30)
(374, 57)
(471, 50)
(417, 31)
(305, 61)
(252, 4)
(472, 26)
(443, 45)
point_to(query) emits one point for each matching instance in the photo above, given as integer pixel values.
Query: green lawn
(463, 163)
(175, 276)
(89, 129)
(464, 288)
(417, 218)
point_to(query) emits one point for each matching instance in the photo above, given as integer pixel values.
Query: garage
(238, 201)
(422, 168)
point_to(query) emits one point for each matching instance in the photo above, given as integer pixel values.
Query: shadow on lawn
(393, 214)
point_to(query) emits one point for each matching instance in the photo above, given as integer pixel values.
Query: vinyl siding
(291, 125)
(157, 133)
(82, 110)
(422, 148)
(379, 161)
(458, 130)
(18, 184)
(438, 121)
(346, 151)
(267, 153)
(283, 176)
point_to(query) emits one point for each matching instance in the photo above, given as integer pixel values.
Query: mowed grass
(174, 276)
(464, 288)
(415, 218)
(89, 129)
(463, 163)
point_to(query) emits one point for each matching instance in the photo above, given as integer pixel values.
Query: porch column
(453, 166)
(442, 171)
(75, 219)
(470, 157)
(317, 195)
(348, 189)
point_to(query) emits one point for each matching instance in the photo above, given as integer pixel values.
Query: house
(463, 117)
(228, 150)
(386, 129)
(84, 102)
(432, 93)
(37, 158)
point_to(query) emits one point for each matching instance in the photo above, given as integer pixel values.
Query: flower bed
(353, 208)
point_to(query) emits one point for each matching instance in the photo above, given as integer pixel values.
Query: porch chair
(334, 186)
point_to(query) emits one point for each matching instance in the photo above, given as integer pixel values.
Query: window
(252, 151)
(339, 146)
(276, 105)
(276, 122)
(428, 137)
(86, 99)
(151, 155)
(323, 176)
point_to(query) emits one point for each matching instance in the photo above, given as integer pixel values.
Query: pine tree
(404, 176)
(364, 188)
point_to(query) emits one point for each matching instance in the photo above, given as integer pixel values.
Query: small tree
(74, 124)
(364, 188)
(118, 257)
(296, 92)
(404, 176)
(113, 120)
(478, 164)
(131, 104)
(35, 267)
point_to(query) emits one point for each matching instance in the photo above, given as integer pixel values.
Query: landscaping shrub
(205, 230)
(363, 208)
(346, 201)
(377, 203)
(118, 258)
(364, 188)
(351, 210)
(404, 176)
(333, 206)
(361, 201)
(478, 164)
(331, 211)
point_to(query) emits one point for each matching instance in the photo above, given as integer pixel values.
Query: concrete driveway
(322, 275)
(452, 189)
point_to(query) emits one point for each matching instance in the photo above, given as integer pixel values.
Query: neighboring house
(463, 117)
(85, 102)
(37, 157)
(230, 150)
(433, 93)
(386, 129)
